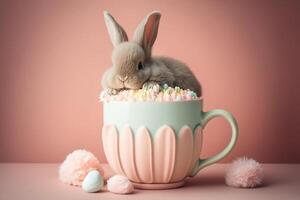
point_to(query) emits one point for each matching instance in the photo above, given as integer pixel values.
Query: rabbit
(133, 67)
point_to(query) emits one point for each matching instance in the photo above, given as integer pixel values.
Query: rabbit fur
(133, 66)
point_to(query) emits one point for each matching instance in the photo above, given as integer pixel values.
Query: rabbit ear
(146, 32)
(116, 32)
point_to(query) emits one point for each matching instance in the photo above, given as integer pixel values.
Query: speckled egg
(93, 182)
(119, 185)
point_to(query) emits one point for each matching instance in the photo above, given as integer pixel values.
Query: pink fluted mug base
(158, 186)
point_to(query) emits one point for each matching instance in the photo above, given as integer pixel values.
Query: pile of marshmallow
(149, 93)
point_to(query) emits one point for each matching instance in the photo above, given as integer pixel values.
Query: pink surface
(40, 181)
(53, 53)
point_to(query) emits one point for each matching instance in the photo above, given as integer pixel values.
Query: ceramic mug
(157, 144)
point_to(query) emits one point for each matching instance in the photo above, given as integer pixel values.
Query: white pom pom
(245, 173)
(77, 165)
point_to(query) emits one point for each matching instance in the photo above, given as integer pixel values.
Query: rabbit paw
(111, 91)
(150, 85)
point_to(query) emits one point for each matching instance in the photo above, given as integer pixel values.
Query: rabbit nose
(122, 78)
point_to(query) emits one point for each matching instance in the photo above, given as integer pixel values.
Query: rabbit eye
(140, 66)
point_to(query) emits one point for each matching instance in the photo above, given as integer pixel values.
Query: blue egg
(93, 182)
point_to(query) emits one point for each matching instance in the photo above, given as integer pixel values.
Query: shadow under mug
(157, 144)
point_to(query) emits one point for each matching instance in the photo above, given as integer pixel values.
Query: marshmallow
(155, 93)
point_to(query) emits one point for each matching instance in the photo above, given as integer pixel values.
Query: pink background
(53, 53)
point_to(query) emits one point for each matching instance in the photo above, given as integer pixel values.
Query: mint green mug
(157, 144)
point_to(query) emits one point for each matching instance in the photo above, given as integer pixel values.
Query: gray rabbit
(134, 67)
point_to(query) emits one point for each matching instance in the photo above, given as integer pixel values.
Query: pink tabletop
(40, 181)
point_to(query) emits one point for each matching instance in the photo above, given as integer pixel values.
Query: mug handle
(206, 117)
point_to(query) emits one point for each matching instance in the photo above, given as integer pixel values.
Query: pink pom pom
(119, 185)
(245, 173)
(77, 165)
